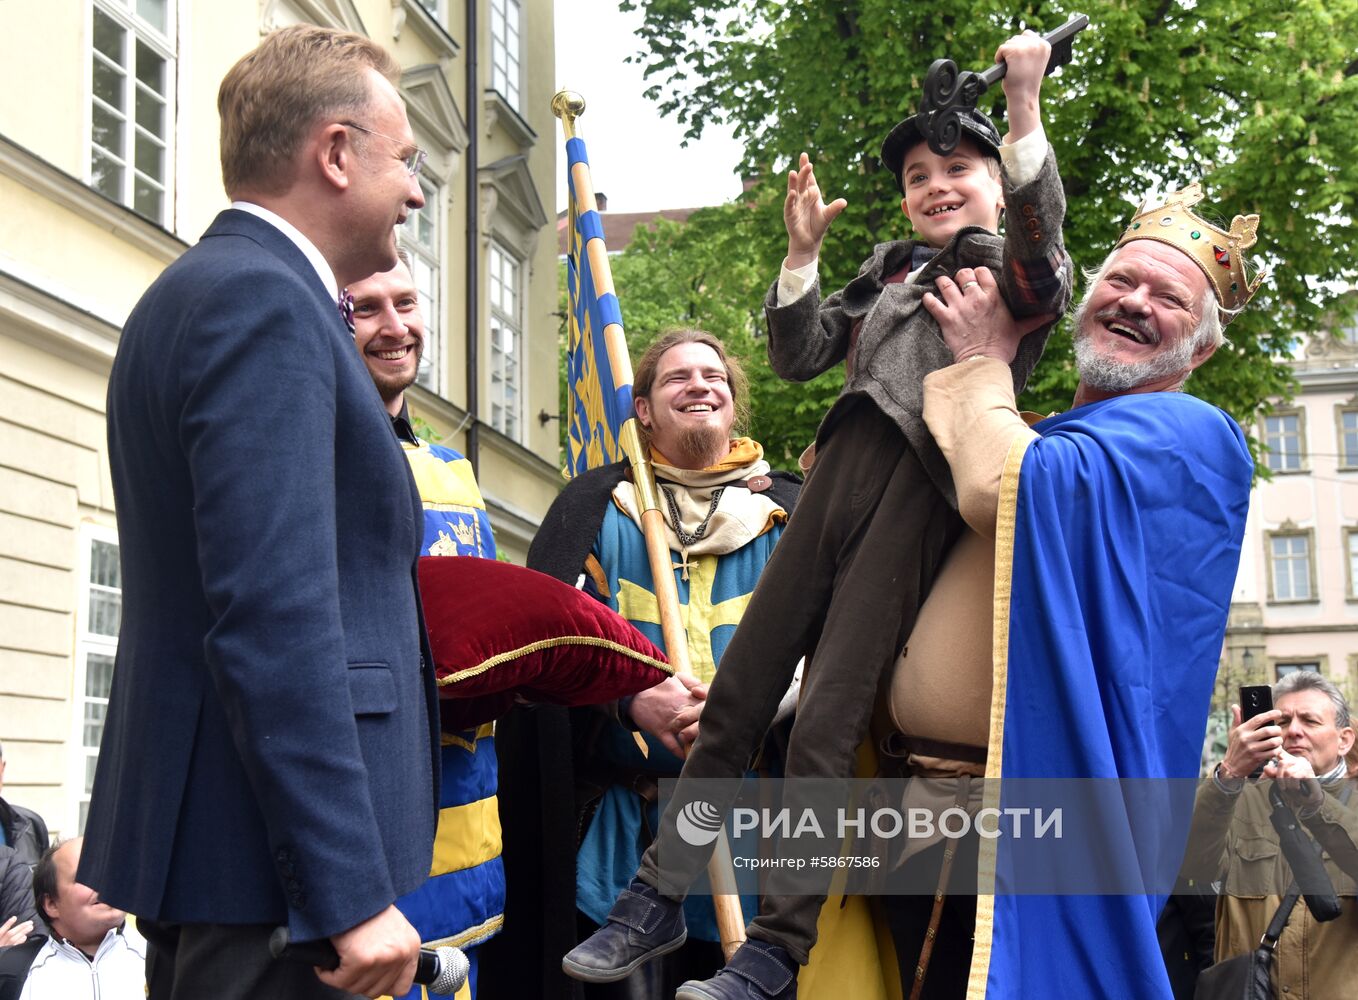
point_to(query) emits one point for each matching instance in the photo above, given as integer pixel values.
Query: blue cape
(1116, 552)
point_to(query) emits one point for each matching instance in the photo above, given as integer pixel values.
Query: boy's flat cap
(975, 126)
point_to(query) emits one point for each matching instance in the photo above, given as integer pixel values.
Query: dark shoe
(757, 971)
(641, 926)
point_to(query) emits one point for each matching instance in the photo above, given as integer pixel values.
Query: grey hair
(1309, 680)
(403, 255)
(1210, 329)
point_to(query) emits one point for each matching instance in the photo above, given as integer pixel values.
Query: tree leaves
(1257, 98)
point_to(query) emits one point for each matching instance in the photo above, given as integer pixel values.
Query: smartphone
(1255, 699)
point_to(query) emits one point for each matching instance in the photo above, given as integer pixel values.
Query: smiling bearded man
(1074, 630)
(462, 903)
(578, 796)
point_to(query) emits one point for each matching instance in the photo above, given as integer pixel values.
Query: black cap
(899, 141)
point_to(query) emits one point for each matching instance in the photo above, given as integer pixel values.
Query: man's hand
(1251, 743)
(974, 319)
(665, 711)
(12, 932)
(807, 217)
(1296, 780)
(1027, 55)
(377, 957)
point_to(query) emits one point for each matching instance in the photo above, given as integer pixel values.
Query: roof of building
(619, 227)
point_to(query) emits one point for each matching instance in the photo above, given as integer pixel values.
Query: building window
(504, 50)
(435, 8)
(132, 67)
(1283, 437)
(1290, 566)
(1351, 561)
(98, 617)
(423, 238)
(506, 343)
(1348, 331)
(1348, 437)
(1283, 669)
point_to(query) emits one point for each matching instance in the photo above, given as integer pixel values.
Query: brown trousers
(844, 585)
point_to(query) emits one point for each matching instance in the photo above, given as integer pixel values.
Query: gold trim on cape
(1005, 519)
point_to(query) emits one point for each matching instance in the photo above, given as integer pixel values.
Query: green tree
(1258, 98)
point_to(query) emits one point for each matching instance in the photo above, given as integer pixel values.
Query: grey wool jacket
(898, 341)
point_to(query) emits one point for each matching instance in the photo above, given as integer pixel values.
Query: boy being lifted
(878, 512)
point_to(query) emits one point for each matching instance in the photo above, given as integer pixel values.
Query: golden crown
(1216, 252)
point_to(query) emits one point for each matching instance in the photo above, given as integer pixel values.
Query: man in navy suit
(271, 709)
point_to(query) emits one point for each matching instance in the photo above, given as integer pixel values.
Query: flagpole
(568, 106)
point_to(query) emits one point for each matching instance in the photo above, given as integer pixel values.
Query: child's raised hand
(1027, 56)
(806, 215)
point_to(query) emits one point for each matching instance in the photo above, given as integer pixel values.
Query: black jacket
(25, 831)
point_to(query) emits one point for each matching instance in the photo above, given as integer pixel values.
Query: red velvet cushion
(498, 630)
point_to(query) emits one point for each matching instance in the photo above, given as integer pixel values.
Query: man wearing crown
(1075, 629)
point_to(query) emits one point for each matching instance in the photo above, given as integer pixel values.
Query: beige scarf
(740, 516)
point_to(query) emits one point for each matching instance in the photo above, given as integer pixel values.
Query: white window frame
(437, 9)
(1350, 551)
(136, 30)
(425, 267)
(506, 340)
(506, 50)
(1282, 669)
(1347, 332)
(1347, 413)
(87, 643)
(1279, 458)
(1308, 552)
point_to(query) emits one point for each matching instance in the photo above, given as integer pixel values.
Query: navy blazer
(271, 747)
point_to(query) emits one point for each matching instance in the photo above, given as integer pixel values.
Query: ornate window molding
(341, 14)
(1289, 554)
(511, 207)
(1284, 434)
(1346, 434)
(435, 119)
(429, 20)
(499, 112)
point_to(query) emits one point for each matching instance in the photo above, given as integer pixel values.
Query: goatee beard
(706, 445)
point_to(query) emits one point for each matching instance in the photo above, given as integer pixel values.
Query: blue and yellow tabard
(714, 588)
(462, 903)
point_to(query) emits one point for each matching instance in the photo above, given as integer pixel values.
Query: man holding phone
(1300, 744)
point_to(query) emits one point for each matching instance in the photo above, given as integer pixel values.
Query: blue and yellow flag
(598, 371)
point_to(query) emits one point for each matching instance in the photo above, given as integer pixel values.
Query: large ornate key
(948, 93)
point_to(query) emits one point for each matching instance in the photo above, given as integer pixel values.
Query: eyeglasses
(413, 162)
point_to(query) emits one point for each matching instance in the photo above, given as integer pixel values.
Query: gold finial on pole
(568, 106)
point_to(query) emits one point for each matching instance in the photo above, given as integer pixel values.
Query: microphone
(443, 970)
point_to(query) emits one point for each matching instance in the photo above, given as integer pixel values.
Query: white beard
(1101, 371)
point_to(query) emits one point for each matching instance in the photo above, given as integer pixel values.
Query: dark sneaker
(641, 926)
(757, 971)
